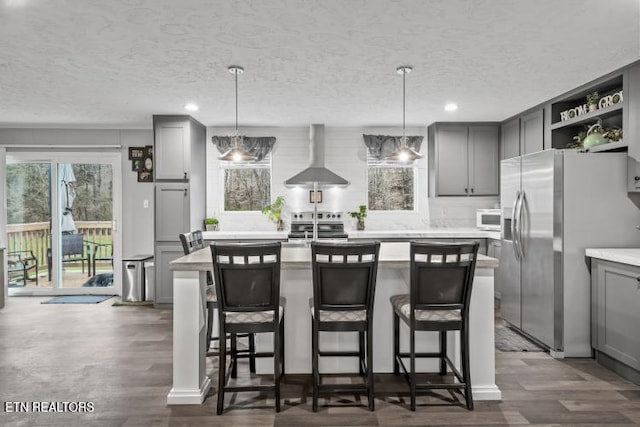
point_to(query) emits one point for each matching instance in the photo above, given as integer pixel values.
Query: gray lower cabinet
(172, 211)
(615, 311)
(163, 276)
(493, 248)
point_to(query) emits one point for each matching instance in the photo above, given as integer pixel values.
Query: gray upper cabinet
(452, 152)
(484, 162)
(172, 147)
(463, 159)
(532, 132)
(510, 139)
(522, 135)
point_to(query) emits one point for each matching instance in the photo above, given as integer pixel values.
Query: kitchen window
(391, 185)
(247, 185)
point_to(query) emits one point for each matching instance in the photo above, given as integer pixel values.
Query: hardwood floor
(119, 358)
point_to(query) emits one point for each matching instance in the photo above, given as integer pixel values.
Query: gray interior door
(508, 273)
(537, 246)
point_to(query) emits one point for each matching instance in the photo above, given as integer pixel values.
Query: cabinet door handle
(185, 175)
(472, 191)
(185, 192)
(466, 191)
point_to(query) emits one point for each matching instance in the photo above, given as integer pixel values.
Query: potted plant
(211, 224)
(274, 212)
(592, 100)
(360, 215)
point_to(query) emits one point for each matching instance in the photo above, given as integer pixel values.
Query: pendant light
(236, 154)
(404, 154)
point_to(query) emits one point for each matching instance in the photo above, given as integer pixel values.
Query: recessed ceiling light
(191, 107)
(451, 107)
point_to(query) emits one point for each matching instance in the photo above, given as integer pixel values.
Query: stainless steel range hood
(316, 172)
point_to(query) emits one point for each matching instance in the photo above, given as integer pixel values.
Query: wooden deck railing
(35, 236)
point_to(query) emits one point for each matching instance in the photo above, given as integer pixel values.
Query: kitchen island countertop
(427, 233)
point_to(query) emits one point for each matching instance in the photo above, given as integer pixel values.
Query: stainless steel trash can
(149, 281)
(133, 280)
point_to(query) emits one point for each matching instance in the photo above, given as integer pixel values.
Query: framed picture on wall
(147, 164)
(144, 176)
(148, 150)
(137, 164)
(136, 152)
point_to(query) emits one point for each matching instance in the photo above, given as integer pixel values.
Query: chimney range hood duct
(316, 172)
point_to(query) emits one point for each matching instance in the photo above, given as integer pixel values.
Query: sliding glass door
(62, 217)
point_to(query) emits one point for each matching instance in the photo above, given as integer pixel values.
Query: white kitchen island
(190, 382)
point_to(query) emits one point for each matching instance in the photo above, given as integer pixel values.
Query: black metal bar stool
(247, 280)
(440, 291)
(344, 280)
(192, 242)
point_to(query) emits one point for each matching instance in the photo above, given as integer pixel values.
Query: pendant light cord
(404, 76)
(236, 74)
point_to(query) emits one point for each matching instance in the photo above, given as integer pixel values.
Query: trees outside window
(247, 185)
(391, 186)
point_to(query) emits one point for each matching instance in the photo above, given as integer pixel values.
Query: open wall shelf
(564, 131)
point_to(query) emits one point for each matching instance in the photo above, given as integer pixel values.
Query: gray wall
(137, 221)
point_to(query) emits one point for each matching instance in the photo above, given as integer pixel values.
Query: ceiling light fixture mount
(404, 154)
(236, 153)
(451, 106)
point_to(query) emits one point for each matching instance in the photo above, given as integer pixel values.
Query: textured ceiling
(115, 63)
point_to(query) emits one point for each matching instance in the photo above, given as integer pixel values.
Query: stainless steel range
(330, 225)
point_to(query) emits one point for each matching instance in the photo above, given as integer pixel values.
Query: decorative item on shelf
(595, 101)
(614, 134)
(404, 153)
(594, 136)
(577, 140)
(592, 100)
(237, 154)
(274, 212)
(609, 100)
(211, 224)
(360, 215)
(574, 112)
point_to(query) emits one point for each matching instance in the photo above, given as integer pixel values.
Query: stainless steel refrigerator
(556, 203)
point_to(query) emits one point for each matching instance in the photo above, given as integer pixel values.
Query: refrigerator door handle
(514, 219)
(518, 226)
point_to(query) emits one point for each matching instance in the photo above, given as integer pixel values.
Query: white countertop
(244, 235)
(443, 233)
(629, 256)
(392, 254)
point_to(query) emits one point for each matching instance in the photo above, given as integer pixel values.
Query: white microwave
(489, 219)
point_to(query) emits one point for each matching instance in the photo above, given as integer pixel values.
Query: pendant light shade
(404, 154)
(237, 154)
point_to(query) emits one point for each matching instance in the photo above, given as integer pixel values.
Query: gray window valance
(258, 146)
(381, 146)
